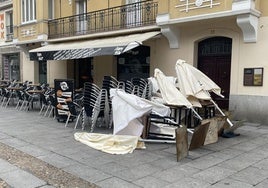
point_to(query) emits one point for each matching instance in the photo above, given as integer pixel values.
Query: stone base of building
(249, 108)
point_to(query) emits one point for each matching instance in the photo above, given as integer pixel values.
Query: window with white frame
(28, 10)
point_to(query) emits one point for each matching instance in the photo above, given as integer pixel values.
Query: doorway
(83, 71)
(214, 59)
(43, 72)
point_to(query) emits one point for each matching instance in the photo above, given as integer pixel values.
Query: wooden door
(216, 64)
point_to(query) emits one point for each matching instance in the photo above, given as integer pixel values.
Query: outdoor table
(14, 88)
(34, 84)
(3, 85)
(35, 91)
(5, 81)
(176, 112)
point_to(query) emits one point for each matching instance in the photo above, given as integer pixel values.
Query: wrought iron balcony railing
(9, 32)
(122, 17)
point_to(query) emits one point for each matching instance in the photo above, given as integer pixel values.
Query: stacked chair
(95, 106)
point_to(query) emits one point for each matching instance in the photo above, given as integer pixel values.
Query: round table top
(14, 88)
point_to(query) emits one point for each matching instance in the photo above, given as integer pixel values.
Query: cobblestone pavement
(37, 151)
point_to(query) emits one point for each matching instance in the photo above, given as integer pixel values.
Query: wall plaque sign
(253, 76)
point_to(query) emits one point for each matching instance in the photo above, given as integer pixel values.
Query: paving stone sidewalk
(38, 151)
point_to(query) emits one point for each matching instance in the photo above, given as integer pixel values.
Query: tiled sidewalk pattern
(235, 162)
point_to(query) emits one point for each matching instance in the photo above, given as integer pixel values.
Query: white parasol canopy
(169, 92)
(128, 109)
(193, 83)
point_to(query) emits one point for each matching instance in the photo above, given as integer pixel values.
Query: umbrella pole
(198, 116)
(218, 108)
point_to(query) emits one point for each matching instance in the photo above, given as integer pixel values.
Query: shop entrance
(43, 72)
(83, 72)
(214, 59)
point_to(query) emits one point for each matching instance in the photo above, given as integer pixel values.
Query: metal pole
(229, 122)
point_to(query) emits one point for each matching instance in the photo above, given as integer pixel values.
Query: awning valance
(90, 48)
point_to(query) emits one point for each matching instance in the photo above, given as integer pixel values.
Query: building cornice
(165, 20)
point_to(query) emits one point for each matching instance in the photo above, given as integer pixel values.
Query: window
(134, 63)
(9, 25)
(133, 12)
(50, 9)
(11, 67)
(28, 10)
(81, 6)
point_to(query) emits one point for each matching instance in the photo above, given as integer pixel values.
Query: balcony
(122, 17)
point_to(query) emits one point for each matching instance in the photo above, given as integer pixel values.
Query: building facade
(9, 54)
(85, 39)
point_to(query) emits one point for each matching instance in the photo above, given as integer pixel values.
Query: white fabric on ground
(113, 144)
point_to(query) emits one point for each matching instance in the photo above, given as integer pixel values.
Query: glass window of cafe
(134, 63)
(11, 67)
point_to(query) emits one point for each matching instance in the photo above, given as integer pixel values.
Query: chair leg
(45, 114)
(42, 108)
(67, 120)
(27, 106)
(3, 102)
(77, 120)
(8, 101)
(52, 111)
(22, 105)
(18, 103)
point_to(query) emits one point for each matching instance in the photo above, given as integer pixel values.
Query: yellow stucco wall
(28, 68)
(163, 6)
(177, 9)
(94, 5)
(256, 56)
(56, 70)
(263, 7)
(30, 31)
(164, 58)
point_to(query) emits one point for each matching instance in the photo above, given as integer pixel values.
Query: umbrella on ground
(169, 92)
(129, 108)
(193, 83)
